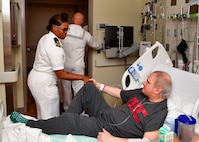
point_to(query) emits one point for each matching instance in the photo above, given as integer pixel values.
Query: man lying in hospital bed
(141, 76)
(138, 120)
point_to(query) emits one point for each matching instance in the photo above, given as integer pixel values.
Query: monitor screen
(112, 39)
(128, 36)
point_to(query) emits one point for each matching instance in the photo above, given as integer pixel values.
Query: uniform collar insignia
(57, 43)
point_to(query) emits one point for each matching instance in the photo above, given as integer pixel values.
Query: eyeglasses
(63, 29)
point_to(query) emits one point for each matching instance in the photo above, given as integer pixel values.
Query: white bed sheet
(15, 132)
(75, 138)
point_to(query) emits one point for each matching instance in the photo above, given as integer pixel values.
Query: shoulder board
(57, 43)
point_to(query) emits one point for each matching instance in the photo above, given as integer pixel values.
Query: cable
(122, 122)
(117, 124)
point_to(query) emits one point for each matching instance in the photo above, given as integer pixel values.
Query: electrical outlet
(101, 25)
(168, 32)
(167, 47)
(175, 33)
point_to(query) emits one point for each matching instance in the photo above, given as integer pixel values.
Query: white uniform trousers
(45, 92)
(71, 87)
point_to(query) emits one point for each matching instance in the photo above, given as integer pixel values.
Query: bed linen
(19, 132)
(72, 138)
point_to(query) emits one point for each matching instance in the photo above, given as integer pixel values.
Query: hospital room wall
(173, 30)
(17, 58)
(2, 86)
(113, 12)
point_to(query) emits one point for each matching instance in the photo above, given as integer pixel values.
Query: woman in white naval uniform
(48, 67)
(74, 47)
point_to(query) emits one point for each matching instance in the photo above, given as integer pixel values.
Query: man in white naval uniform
(74, 47)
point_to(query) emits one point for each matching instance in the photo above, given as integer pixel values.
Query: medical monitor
(128, 36)
(111, 39)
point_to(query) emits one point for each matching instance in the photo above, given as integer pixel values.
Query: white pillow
(182, 105)
(172, 114)
(176, 107)
(195, 114)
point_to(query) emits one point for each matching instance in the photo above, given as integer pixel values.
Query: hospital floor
(31, 107)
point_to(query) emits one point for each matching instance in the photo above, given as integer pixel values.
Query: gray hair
(163, 80)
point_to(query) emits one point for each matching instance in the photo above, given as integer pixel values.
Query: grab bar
(10, 76)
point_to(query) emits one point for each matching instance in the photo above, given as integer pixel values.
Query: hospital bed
(185, 94)
(184, 98)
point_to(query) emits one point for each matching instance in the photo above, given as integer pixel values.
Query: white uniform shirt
(74, 46)
(49, 55)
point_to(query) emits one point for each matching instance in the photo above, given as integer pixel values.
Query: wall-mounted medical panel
(14, 7)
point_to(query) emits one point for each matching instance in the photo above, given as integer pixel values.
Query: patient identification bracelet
(102, 87)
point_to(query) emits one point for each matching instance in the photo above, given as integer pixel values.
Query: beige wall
(17, 57)
(114, 12)
(2, 86)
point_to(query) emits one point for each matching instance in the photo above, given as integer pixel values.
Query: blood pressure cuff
(181, 49)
